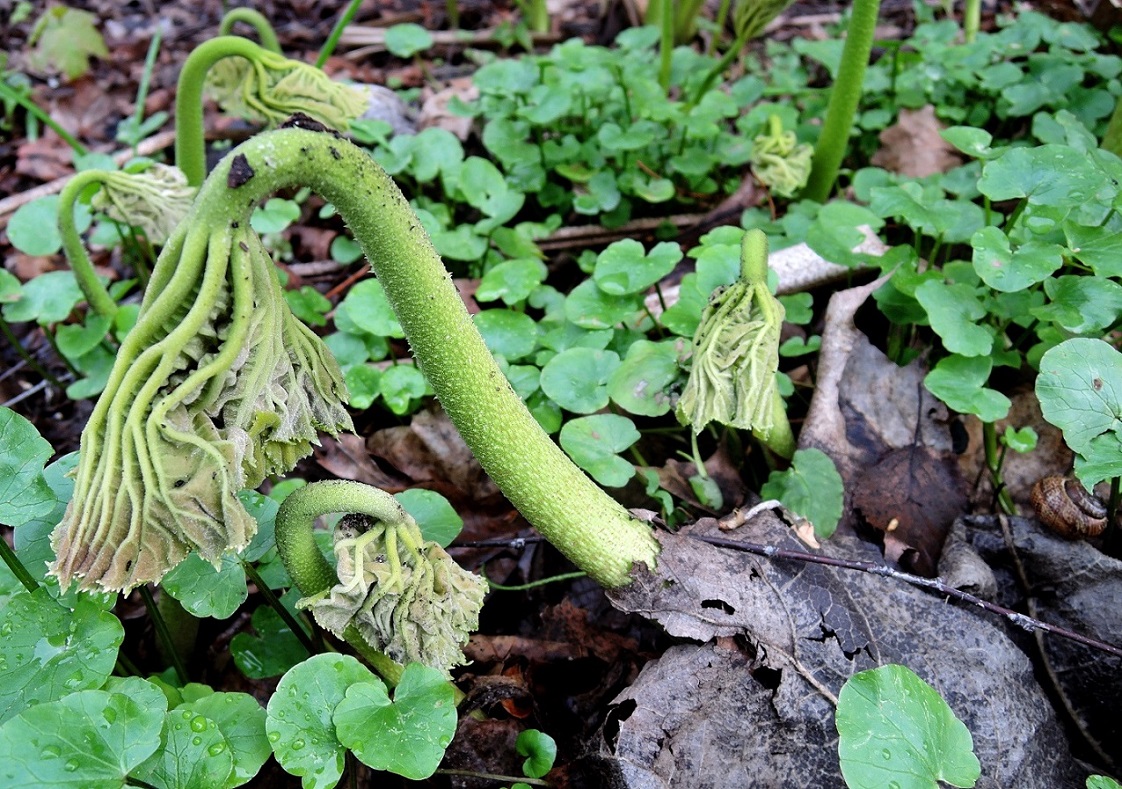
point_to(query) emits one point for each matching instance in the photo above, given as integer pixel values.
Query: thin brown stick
(1027, 623)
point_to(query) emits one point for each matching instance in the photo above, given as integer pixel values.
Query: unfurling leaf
(404, 594)
(216, 387)
(779, 160)
(155, 200)
(270, 88)
(736, 355)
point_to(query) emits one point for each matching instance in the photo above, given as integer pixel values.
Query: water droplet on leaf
(198, 723)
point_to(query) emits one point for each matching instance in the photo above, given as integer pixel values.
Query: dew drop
(885, 754)
(274, 736)
(219, 747)
(50, 752)
(893, 785)
(109, 714)
(297, 744)
(71, 765)
(198, 723)
(196, 741)
(6, 629)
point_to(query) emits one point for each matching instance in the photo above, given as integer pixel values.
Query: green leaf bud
(155, 199)
(779, 160)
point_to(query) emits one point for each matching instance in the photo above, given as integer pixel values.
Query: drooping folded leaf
(271, 88)
(155, 199)
(217, 386)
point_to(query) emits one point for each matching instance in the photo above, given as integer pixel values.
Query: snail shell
(1067, 508)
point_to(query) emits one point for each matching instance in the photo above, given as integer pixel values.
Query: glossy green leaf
(540, 750)
(193, 754)
(264, 511)
(75, 340)
(1056, 175)
(48, 650)
(406, 736)
(47, 299)
(33, 228)
(960, 382)
(299, 717)
(896, 730)
(402, 385)
(1009, 270)
(1102, 782)
(509, 334)
(624, 267)
(593, 442)
(1080, 390)
(1081, 305)
(309, 305)
(367, 307)
(275, 216)
(811, 487)
(591, 308)
(273, 650)
(643, 383)
(512, 281)
(577, 379)
(91, 739)
(241, 719)
(205, 590)
(24, 493)
(954, 311)
(438, 520)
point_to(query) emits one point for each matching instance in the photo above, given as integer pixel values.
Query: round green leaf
(960, 382)
(593, 443)
(642, 384)
(576, 379)
(1081, 305)
(24, 493)
(345, 250)
(194, 755)
(407, 39)
(49, 298)
(48, 650)
(242, 723)
(896, 730)
(1080, 390)
(624, 268)
(33, 228)
(407, 736)
(811, 487)
(509, 334)
(299, 722)
(364, 383)
(1007, 270)
(438, 520)
(88, 740)
(276, 215)
(954, 311)
(402, 385)
(512, 280)
(205, 590)
(541, 750)
(1055, 175)
(274, 650)
(591, 308)
(368, 308)
(75, 340)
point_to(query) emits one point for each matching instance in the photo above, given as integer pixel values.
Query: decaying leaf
(913, 146)
(217, 386)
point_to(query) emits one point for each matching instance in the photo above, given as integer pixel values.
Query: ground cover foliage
(590, 196)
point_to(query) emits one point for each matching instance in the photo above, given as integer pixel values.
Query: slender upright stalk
(833, 142)
(594, 531)
(971, 20)
(337, 31)
(95, 292)
(1112, 138)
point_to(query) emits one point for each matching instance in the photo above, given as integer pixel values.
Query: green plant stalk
(994, 459)
(16, 566)
(833, 142)
(719, 23)
(190, 136)
(32, 362)
(9, 95)
(971, 20)
(266, 36)
(666, 43)
(537, 16)
(595, 532)
(95, 292)
(336, 32)
(145, 79)
(717, 70)
(275, 603)
(183, 627)
(164, 634)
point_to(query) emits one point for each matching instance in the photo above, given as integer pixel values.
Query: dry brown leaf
(913, 146)
(347, 458)
(435, 112)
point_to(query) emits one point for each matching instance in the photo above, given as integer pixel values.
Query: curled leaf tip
(217, 386)
(155, 199)
(405, 595)
(779, 160)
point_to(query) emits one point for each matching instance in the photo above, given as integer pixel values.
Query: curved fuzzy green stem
(595, 532)
(834, 139)
(95, 292)
(255, 19)
(190, 136)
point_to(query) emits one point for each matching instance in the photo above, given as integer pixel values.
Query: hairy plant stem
(95, 292)
(255, 19)
(595, 532)
(833, 141)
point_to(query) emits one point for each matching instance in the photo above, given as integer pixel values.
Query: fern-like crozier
(217, 386)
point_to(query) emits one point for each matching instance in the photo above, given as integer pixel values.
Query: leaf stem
(266, 36)
(283, 612)
(595, 532)
(32, 362)
(95, 292)
(833, 141)
(16, 566)
(337, 31)
(10, 95)
(164, 634)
